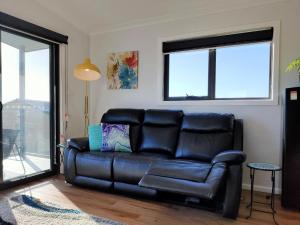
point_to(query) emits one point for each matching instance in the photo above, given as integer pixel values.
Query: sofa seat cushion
(184, 170)
(186, 184)
(131, 167)
(95, 164)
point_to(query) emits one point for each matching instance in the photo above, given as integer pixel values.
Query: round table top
(263, 166)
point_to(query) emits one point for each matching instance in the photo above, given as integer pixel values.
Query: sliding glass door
(27, 98)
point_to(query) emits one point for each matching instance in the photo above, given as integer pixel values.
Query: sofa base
(92, 183)
(134, 190)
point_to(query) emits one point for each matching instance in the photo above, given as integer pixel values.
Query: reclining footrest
(186, 178)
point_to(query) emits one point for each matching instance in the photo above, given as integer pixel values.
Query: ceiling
(97, 16)
(19, 42)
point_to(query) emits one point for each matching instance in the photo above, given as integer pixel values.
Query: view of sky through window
(26, 115)
(188, 73)
(10, 73)
(36, 71)
(37, 75)
(242, 71)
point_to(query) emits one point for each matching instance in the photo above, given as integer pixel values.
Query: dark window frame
(28, 30)
(211, 43)
(32, 29)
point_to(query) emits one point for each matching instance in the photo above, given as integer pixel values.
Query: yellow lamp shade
(87, 71)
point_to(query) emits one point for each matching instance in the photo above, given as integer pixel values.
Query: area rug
(26, 210)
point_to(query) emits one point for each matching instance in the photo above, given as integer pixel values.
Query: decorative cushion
(115, 137)
(95, 137)
(133, 117)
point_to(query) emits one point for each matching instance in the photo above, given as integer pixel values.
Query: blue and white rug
(26, 210)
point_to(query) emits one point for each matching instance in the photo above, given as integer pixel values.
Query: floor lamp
(86, 72)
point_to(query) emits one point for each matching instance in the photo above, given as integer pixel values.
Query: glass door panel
(25, 97)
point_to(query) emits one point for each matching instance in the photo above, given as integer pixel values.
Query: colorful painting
(122, 70)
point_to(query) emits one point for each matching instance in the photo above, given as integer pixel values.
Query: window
(236, 66)
(26, 106)
(29, 101)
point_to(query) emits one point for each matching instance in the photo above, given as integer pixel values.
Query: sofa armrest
(81, 144)
(69, 164)
(231, 157)
(233, 191)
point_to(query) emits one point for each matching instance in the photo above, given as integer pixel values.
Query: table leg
(252, 173)
(273, 197)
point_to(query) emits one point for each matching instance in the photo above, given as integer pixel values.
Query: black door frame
(54, 113)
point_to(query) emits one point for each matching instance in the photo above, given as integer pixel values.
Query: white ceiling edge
(171, 18)
(69, 22)
(175, 16)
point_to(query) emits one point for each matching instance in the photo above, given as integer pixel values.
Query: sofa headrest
(163, 117)
(124, 116)
(208, 122)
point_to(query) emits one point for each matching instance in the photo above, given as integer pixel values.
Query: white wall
(262, 124)
(78, 48)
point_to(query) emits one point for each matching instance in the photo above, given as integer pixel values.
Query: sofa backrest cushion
(133, 117)
(208, 122)
(204, 135)
(160, 131)
(125, 116)
(163, 118)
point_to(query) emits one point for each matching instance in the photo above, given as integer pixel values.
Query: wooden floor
(132, 211)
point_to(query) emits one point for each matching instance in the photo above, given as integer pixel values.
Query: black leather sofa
(197, 157)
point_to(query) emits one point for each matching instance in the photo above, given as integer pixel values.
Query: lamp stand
(86, 109)
(86, 71)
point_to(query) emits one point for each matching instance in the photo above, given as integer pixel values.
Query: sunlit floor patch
(14, 168)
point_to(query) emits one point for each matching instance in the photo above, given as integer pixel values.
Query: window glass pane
(243, 71)
(37, 72)
(10, 66)
(188, 73)
(25, 94)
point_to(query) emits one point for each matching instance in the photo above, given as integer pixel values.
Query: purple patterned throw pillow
(115, 137)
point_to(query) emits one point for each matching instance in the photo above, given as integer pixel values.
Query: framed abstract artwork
(122, 70)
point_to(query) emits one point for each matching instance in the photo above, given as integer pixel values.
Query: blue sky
(241, 71)
(188, 73)
(36, 74)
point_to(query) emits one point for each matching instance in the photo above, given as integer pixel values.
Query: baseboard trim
(261, 188)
